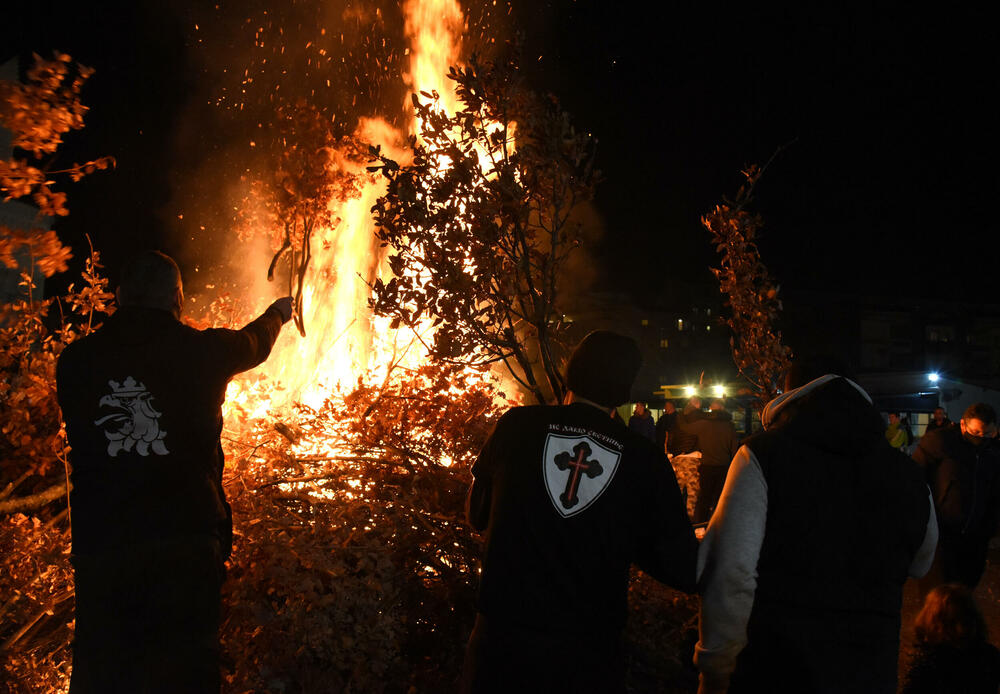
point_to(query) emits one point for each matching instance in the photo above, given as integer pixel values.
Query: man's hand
(284, 307)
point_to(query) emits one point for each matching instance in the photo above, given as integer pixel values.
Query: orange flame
(344, 341)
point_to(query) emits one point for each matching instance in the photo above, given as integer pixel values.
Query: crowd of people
(814, 524)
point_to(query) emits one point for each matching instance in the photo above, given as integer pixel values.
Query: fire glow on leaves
(480, 230)
(751, 294)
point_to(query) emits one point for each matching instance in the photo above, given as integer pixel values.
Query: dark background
(886, 185)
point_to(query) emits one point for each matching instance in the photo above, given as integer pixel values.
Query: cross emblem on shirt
(576, 464)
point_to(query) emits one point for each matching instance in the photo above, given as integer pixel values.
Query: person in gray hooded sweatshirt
(802, 567)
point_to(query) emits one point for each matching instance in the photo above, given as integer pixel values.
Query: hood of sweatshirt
(832, 413)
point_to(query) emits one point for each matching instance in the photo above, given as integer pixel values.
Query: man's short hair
(982, 411)
(603, 367)
(150, 279)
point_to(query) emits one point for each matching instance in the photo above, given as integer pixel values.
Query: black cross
(578, 461)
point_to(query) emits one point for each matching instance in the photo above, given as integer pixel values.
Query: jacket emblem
(135, 425)
(577, 471)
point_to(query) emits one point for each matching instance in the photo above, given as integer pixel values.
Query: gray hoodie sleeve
(924, 557)
(727, 568)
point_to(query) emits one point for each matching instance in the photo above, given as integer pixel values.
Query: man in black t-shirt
(142, 401)
(568, 500)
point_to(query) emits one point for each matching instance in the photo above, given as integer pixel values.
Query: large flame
(344, 341)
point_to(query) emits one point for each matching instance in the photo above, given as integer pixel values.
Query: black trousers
(711, 480)
(505, 658)
(792, 651)
(147, 619)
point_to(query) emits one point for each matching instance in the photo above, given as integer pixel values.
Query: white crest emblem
(577, 471)
(135, 425)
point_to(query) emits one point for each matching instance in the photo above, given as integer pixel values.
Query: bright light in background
(933, 377)
(689, 390)
(720, 391)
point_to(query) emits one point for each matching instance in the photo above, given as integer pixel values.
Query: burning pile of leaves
(353, 568)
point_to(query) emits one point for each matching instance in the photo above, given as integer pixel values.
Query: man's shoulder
(944, 441)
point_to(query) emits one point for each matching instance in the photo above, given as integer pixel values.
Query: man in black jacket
(569, 499)
(142, 401)
(803, 564)
(963, 468)
(717, 443)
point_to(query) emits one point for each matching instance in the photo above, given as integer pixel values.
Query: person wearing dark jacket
(717, 443)
(939, 420)
(665, 424)
(803, 563)
(962, 465)
(568, 500)
(142, 401)
(641, 422)
(682, 440)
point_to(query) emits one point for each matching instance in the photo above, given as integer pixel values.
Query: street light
(719, 390)
(933, 377)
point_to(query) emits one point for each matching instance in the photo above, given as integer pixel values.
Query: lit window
(645, 321)
(664, 343)
(680, 323)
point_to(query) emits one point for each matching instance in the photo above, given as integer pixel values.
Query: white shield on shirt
(577, 471)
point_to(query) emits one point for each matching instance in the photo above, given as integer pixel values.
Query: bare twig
(35, 501)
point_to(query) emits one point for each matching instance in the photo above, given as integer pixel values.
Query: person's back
(142, 401)
(831, 520)
(681, 439)
(717, 439)
(141, 398)
(568, 499)
(717, 443)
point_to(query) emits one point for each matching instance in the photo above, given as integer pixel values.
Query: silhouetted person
(641, 422)
(939, 420)
(142, 401)
(953, 654)
(718, 443)
(962, 465)
(664, 424)
(803, 563)
(568, 500)
(682, 440)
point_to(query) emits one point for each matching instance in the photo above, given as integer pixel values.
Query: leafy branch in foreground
(750, 292)
(481, 224)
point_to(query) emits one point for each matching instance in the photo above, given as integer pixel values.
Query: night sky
(886, 187)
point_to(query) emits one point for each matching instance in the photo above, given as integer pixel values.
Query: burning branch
(293, 198)
(480, 229)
